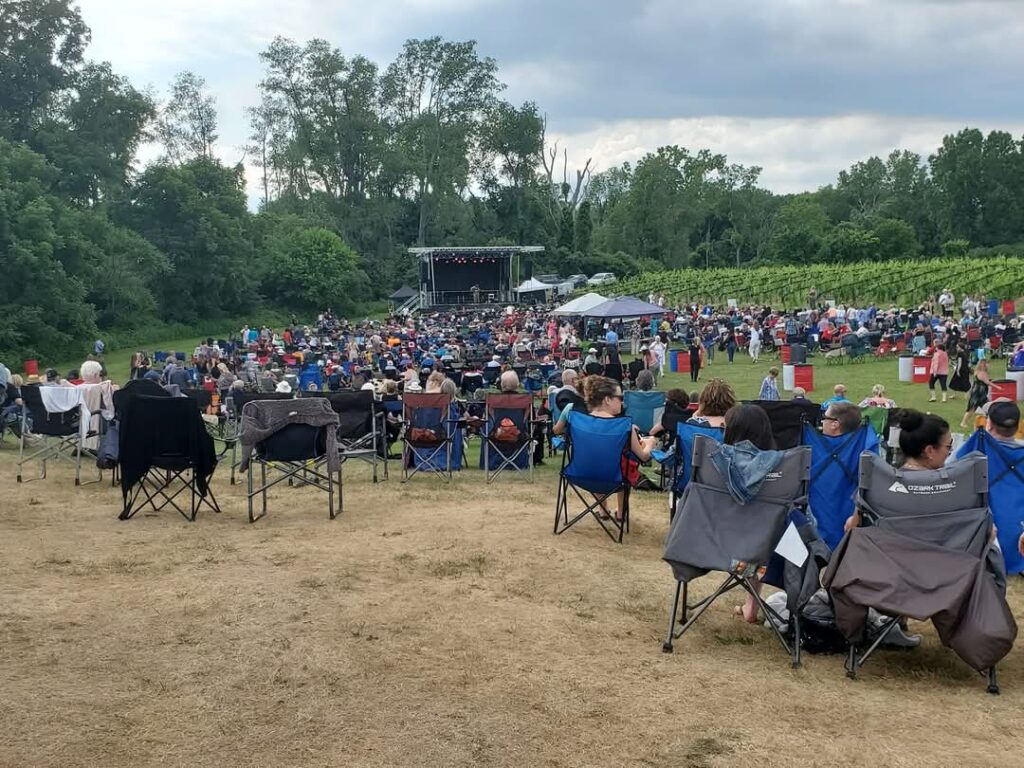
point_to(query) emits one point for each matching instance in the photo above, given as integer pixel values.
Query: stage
(469, 276)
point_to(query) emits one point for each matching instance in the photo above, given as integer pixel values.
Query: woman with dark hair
(925, 441)
(750, 423)
(695, 357)
(960, 379)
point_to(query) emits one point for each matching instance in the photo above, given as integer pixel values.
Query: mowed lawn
(433, 624)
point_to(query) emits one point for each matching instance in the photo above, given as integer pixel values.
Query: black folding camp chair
(164, 452)
(592, 464)
(787, 419)
(925, 534)
(298, 453)
(712, 531)
(361, 432)
(236, 403)
(48, 437)
(429, 435)
(508, 435)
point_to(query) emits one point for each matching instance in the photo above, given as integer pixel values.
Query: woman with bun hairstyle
(925, 441)
(604, 401)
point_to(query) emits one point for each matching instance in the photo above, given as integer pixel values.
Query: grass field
(432, 625)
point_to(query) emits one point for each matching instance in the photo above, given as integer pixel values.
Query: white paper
(792, 547)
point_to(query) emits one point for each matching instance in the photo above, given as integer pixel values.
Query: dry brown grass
(428, 625)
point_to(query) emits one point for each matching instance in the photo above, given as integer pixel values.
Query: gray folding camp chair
(925, 551)
(712, 531)
(48, 437)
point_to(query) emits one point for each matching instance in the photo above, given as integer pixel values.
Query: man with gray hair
(91, 372)
(509, 382)
(569, 394)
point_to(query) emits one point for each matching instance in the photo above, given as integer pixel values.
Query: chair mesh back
(787, 481)
(787, 418)
(355, 413)
(644, 408)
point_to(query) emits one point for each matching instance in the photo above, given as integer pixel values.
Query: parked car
(601, 278)
(578, 281)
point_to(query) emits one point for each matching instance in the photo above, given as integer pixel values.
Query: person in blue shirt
(838, 396)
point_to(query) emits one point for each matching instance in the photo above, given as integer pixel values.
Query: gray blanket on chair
(263, 418)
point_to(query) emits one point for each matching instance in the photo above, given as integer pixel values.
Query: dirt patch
(428, 625)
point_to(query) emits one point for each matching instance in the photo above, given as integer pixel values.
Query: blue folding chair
(1006, 492)
(685, 434)
(593, 464)
(557, 442)
(644, 408)
(311, 375)
(835, 463)
(429, 439)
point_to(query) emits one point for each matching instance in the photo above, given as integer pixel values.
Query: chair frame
(52, 448)
(732, 581)
(412, 453)
(507, 455)
(311, 472)
(563, 522)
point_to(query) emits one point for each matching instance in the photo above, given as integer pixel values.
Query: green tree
(41, 47)
(849, 242)
(798, 232)
(322, 271)
(188, 121)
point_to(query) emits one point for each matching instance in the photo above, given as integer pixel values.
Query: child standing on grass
(770, 385)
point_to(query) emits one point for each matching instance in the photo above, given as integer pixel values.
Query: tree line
(356, 162)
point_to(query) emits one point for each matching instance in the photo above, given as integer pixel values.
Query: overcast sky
(803, 88)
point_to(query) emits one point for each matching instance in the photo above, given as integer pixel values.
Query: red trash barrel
(1008, 308)
(683, 361)
(31, 367)
(803, 376)
(1002, 388)
(922, 369)
(785, 353)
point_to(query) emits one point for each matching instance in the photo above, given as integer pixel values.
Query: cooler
(803, 376)
(788, 376)
(798, 353)
(1002, 388)
(31, 367)
(1017, 375)
(922, 369)
(906, 368)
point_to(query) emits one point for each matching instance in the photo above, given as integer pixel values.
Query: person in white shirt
(755, 343)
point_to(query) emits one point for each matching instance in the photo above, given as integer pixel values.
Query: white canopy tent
(532, 285)
(581, 304)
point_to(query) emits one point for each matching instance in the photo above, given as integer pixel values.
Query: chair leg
(666, 647)
(993, 682)
(851, 662)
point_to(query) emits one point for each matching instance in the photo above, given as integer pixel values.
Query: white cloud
(797, 154)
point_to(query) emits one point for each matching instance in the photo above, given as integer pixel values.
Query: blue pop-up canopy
(624, 307)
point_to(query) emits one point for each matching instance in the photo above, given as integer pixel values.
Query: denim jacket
(744, 468)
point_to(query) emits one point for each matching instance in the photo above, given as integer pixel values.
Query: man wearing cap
(591, 358)
(1002, 419)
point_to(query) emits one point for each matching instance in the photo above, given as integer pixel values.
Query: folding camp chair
(164, 451)
(1006, 492)
(360, 428)
(834, 471)
(593, 463)
(925, 551)
(236, 404)
(297, 451)
(429, 435)
(787, 419)
(507, 435)
(644, 408)
(712, 531)
(49, 437)
(683, 466)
